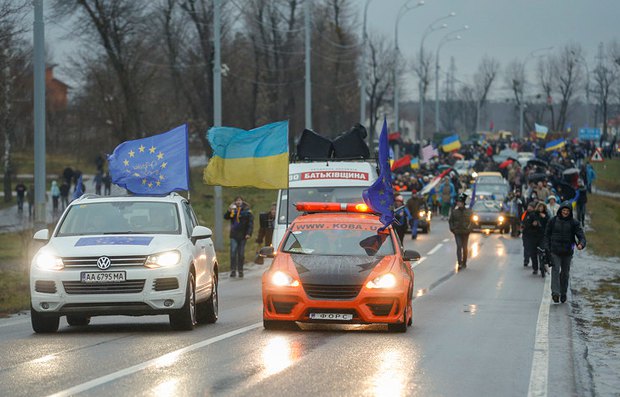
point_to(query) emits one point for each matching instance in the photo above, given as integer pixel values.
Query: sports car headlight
(282, 279)
(387, 280)
(47, 261)
(475, 218)
(163, 259)
(500, 218)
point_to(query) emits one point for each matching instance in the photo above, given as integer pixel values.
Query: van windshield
(349, 194)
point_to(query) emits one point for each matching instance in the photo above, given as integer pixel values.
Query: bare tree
(422, 68)
(483, 80)
(546, 81)
(606, 75)
(567, 72)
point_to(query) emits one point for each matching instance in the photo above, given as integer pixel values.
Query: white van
(321, 181)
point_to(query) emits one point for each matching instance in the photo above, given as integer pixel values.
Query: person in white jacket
(552, 204)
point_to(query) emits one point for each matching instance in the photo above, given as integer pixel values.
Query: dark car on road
(488, 215)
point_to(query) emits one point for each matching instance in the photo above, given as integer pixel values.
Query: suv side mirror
(267, 252)
(42, 235)
(201, 232)
(411, 255)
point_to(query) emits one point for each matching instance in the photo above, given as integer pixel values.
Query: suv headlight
(387, 280)
(46, 261)
(163, 259)
(500, 219)
(475, 218)
(282, 279)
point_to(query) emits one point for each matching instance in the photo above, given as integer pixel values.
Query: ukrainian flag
(555, 145)
(451, 143)
(258, 157)
(415, 163)
(541, 131)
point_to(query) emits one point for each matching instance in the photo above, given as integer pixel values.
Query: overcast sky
(503, 29)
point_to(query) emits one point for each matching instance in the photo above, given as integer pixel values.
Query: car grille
(116, 261)
(45, 287)
(165, 284)
(126, 287)
(332, 292)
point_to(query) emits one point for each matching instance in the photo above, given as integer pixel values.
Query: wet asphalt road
(474, 334)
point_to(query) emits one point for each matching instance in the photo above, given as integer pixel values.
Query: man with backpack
(561, 234)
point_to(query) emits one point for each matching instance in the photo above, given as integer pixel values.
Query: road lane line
(431, 252)
(445, 240)
(152, 363)
(540, 362)
(422, 259)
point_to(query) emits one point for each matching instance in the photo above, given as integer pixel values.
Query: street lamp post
(429, 29)
(363, 69)
(406, 7)
(447, 38)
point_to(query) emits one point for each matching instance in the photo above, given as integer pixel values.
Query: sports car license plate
(103, 277)
(330, 316)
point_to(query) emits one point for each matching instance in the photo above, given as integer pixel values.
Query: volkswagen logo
(103, 262)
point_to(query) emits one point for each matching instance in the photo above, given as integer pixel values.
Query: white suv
(129, 255)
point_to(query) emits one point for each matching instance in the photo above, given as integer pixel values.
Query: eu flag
(155, 165)
(380, 196)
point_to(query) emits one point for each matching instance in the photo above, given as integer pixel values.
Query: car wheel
(410, 322)
(78, 321)
(184, 319)
(280, 325)
(399, 327)
(208, 311)
(43, 324)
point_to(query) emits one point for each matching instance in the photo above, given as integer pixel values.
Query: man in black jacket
(461, 226)
(561, 234)
(241, 225)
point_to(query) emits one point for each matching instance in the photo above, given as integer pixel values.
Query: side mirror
(411, 255)
(42, 235)
(201, 232)
(267, 252)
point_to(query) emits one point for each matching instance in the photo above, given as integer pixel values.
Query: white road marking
(152, 363)
(418, 262)
(540, 362)
(445, 240)
(431, 252)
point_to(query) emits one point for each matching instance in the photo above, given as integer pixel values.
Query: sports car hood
(335, 270)
(76, 246)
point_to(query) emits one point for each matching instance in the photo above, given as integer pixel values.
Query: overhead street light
(432, 27)
(363, 68)
(451, 36)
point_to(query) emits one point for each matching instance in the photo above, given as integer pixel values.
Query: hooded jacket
(241, 221)
(563, 232)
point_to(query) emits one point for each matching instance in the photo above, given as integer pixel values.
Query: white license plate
(331, 316)
(103, 277)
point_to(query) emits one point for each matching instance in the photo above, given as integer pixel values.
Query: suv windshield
(339, 242)
(350, 194)
(116, 217)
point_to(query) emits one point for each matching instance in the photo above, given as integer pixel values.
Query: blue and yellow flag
(380, 195)
(155, 165)
(541, 131)
(451, 143)
(258, 157)
(555, 145)
(415, 163)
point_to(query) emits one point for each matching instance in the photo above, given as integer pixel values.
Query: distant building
(56, 91)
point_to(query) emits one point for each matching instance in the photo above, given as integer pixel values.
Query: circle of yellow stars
(151, 150)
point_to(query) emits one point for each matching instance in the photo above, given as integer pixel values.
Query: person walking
(582, 199)
(447, 192)
(402, 217)
(265, 231)
(552, 205)
(532, 234)
(20, 190)
(562, 233)
(30, 197)
(64, 194)
(98, 182)
(241, 225)
(414, 205)
(461, 225)
(55, 192)
(107, 184)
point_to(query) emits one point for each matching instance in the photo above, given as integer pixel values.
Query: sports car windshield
(339, 242)
(114, 217)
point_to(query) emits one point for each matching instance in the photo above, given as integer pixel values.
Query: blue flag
(155, 165)
(78, 192)
(380, 195)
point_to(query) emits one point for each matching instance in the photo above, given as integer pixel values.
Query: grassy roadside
(608, 175)
(605, 222)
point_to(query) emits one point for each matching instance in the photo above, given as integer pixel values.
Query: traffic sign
(589, 134)
(596, 157)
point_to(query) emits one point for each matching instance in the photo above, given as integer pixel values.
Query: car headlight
(387, 280)
(475, 218)
(164, 259)
(422, 213)
(46, 261)
(500, 219)
(282, 279)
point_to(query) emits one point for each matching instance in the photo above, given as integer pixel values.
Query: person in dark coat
(581, 203)
(20, 190)
(265, 231)
(64, 194)
(533, 233)
(414, 205)
(563, 232)
(241, 225)
(461, 225)
(402, 217)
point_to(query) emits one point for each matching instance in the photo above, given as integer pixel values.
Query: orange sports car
(335, 265)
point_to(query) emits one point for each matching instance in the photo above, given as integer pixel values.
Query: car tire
(280, 325)
(184, 319)
(78, 321)
(399, 327)
(207, 312)
(410, 321)
(43, 324)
